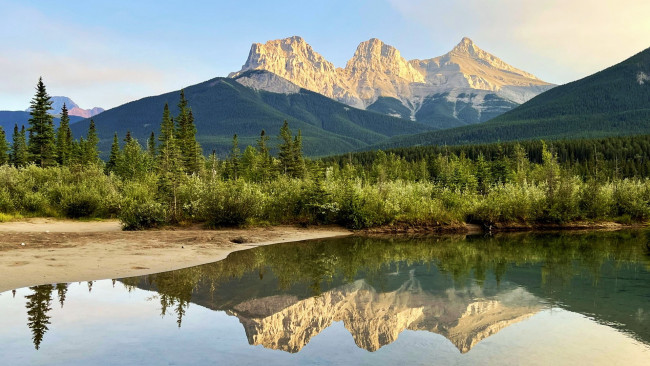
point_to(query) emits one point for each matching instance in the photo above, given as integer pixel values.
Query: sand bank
(57, 251)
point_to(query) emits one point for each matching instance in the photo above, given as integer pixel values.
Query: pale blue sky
(106, 53)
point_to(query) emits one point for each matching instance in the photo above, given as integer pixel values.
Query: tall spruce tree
(42, 147)
(169, 164)
(297, 168)
(64, 138)
(19, 153)
(265, 156)
(234, 158)
(190, 149)
(4, 147)
(286, 149)
(114, 158)
(90, 152)
(151, 145)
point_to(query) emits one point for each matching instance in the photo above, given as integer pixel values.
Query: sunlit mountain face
(467, 85)
(351, 300)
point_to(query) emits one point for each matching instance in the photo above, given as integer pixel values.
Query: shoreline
(58, 251)
(465, 228)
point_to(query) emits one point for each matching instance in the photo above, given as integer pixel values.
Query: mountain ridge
(223, 107)
(612, 102)
(429, 89)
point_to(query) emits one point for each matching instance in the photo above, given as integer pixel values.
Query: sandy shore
(57, 251)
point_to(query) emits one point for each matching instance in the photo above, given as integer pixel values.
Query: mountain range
(381, 100)
(465, 86)
(612, 102)
(223, 107)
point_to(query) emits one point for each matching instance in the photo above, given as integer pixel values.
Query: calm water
(520, 299)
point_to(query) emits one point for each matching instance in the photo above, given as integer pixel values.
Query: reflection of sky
(111, 326)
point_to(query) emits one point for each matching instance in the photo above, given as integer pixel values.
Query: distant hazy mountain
(615, 101)
(8, 119)
(465, 86)
(73, 108)
(223, 107)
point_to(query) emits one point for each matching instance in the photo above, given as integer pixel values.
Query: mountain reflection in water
(465, 289)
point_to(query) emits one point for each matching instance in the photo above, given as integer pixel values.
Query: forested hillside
(222, 107)
(612, 102)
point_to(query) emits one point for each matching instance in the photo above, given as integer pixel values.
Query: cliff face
(378, 70)
(296, 61)
(375, 319)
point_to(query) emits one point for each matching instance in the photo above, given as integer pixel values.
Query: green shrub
(6, 203)
(138, 207)
(632, 198)
(138, 216)
(232, 203)
(597, 200)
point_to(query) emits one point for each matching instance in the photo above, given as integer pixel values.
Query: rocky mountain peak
(468, 49)
(378, 70)
(465, 45)
(374, 56)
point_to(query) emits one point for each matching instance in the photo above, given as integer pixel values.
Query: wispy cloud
(90, 65)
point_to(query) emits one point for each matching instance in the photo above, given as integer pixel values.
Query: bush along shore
(167, 180)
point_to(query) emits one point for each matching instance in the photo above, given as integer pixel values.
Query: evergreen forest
(167, 180)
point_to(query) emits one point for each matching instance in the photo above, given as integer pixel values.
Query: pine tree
(169, 165)
(90, 153)
(298, 162)
(234, 158)
(195, 153)
(265, 157)
(42, 147)
(64, 138)
(114, 158)
(151, 144)
(19, 153)
(286, 149)
(190, 149)
(4, 147)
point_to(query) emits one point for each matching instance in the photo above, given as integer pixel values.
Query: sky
(107, 53)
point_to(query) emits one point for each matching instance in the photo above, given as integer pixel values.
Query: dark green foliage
(64, 139)
(190, 150)
(19, 153)
(115, 156)
(151, 145)
(290, 153)
(234, 159)
(285, 154)
(622, 157)
(89, 151)
(42, 147)
(169, 166)
(4, 148)
(134, 162)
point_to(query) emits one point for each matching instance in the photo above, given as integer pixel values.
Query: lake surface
(561, 299)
